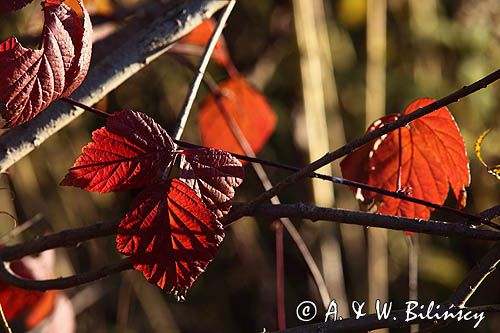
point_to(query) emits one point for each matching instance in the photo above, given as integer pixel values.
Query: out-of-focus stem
(376, 21)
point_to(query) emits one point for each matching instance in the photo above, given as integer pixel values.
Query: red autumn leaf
(243, 105)
(170, 235)
(433, 159)
(8, 6)
(32, 79)
(196, 41)
(132, 151)
(213, 174)
(27, 308)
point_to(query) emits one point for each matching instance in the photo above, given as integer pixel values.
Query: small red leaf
(433, 159)
(28, 307)
(170, 235)
(213, 174)
(8, 6)
(132, 151)
(196, 40)
(32, 79)
(243, 105)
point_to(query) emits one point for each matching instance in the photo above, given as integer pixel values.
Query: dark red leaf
(196, 41)
(170, 235)
(213, 174)
(433, 159)
(243, 105)
(8, 6)
(32, 79)
(132, 151)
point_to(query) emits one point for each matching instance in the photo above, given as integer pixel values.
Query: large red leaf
(132, 151)
(433, 159)
(32, 79)
(170, 235)
(213, 174)
(247, 107)
(196, 41)
(7, 6)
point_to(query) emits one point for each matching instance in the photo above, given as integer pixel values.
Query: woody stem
(343, 181)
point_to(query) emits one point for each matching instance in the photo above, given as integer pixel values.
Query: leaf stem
(91, 109)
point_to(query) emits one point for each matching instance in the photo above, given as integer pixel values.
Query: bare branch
(397, 319)
(66, 282)
(72, 237)
(66, 238)
(126, 60)
(474, 219)
(355, 144)
(476, 276)
(313, 213)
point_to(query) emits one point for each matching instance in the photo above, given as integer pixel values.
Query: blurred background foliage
(433, 48)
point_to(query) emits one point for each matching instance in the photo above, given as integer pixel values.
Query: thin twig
(66, 282)
(5, 323)
(355, 144)
(398, 318)
(476, 276)
(472, 218)
(21, 228)
(413, 252)
(263, 177)
(285, 221)
(195, 85)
